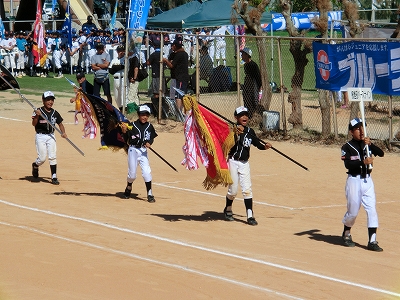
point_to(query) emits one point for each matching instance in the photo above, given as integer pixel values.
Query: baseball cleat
(55, 181)
(150, 198)
(127, 193)
(374, 247)
(348, 241)
(35, 170)
(228, 215)
(252, 221)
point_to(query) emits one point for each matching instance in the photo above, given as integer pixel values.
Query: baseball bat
(43, 116)
(276, 150)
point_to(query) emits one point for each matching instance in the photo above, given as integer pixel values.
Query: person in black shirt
(239, 166)
(139, 136)
(180, 66)
(252, 85)
(45, 139)
(359, 185)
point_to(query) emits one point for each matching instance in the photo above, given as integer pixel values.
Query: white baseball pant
(360, 191)
(138, 156)
(46, 146)
(240, 174)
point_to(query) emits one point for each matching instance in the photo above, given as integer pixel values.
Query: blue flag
(114, 17)
(374, 65)
(137, 16)
(53, 6)
(67, 25)
(2, 29)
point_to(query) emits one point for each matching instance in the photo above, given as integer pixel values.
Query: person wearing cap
(21, 57)
(45, 138)
(139, 136)
(82, 61)
(239, 166)
(100, 62)
(180, 66)
(74, 53)
(86, 87)
(117, 68)
(252, 85)
(8, 44)
(89, 25)
(359, 185)
(57, 53)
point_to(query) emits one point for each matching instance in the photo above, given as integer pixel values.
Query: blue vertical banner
(374, 65)
(67, 26)
(114, 17)
(2, 29)
(53, 7)
(137, 19)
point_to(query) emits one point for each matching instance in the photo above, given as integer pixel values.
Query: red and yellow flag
(209, 138)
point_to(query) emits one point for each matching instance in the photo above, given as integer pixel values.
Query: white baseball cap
(48, 94)
(144, 109)
(247, 51)
(241, 110)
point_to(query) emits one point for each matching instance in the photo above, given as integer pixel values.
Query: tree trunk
(300, 62)
(296, 116)
(323, 98)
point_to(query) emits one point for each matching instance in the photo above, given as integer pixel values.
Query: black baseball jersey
(140, 134)
(353, 154)
(241, 149)
(53, 116)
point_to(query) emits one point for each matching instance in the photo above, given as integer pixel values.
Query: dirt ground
(82, 240)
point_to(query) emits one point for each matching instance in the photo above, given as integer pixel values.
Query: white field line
(166, 185)
(205, 249)
(149, 260)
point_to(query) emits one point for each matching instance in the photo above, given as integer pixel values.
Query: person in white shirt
(220, 52)
(74, 53)
(8, 44)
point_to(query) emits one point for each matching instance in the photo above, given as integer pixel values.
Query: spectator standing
(180, 66)
(220, 52)
(21, 45)
(89, 25)
(100, 62)
(252, 85)
(117, 67)
(132, 77)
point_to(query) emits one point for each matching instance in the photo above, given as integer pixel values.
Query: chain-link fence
(223, 89)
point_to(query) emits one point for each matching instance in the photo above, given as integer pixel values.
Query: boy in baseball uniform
(359, 185)
(239, 166)
(45, 139)
(139, 136)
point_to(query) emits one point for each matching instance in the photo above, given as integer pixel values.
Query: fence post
(281, 88)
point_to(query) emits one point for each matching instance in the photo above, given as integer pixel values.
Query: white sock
(347, 233)
(373, 238)
(249, 213)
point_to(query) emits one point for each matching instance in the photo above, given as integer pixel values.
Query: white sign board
(359, 94)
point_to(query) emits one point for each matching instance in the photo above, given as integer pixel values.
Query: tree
(299, 49)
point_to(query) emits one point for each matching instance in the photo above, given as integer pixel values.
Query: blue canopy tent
(195, 14)
(173, 18)
(217, 13)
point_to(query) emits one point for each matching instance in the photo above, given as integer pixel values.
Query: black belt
(360, 175)
(231, 157)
